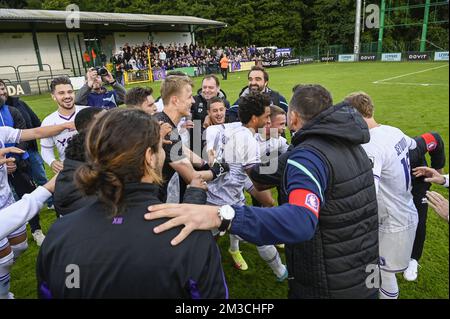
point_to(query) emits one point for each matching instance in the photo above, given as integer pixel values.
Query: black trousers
(224, 73)
(419, 193)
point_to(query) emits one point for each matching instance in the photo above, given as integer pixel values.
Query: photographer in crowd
(94, 93)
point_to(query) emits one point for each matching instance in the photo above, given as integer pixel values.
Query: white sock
(389, 286)
(5, 266)
(271, 256)
(234, 243)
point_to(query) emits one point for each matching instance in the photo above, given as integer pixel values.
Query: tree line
(306, 26)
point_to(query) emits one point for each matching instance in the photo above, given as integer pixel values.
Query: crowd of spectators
(177, 56)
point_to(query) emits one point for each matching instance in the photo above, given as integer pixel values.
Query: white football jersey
(237, 145)
(272, 147)
(388, 151)
(62, 139)
(8, 135)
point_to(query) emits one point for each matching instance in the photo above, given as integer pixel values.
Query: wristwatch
(226, 215)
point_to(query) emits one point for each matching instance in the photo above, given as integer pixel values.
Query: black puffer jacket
(335, 263)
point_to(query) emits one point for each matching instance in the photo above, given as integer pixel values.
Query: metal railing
(11, 67)
(28, 65)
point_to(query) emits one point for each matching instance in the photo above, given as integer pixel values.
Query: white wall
(16, 49)
(50, 54)
(136, 38)
(171, 37)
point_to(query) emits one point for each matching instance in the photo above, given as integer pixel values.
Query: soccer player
(432, 144)
(15, 243)
(64, 96)
(239, 148)
(141, 98)
(388, 149)
(176, 93)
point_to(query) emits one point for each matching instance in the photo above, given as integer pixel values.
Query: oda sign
(417, 56)
(16, 89)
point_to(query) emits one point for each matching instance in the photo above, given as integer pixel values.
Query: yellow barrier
(137, 76)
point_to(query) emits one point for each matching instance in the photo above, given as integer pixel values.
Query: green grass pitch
(411, 96)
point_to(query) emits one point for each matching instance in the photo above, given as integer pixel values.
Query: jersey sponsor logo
(64, 141)
(312, 202)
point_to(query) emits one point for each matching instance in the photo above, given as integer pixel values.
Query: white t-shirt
(388, 150)
(61, 140)
(7, 135)
(239, 148)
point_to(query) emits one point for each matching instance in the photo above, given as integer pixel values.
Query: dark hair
(259, 68)
(85, 117)
(215, 99)
(212, 76)
(309, 100)
(58, 81)
(115, 154)
(254, 103)
(136, 96)
(75, 149)
(2, 82)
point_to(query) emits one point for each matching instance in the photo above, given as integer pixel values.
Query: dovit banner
(19, 88)
(347, 58)
(441, 56)
(391, 57)
(417, 56)
(305, 60)
(285, 62)
(367, 57)
(330, 58)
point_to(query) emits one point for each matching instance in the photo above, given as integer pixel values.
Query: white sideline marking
(416, 84)
(401, 76)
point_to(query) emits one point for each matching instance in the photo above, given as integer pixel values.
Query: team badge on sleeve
(312, 202)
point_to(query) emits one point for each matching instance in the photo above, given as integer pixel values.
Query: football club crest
(312, 202)
(431, 146)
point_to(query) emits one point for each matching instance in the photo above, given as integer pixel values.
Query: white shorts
(19, 231)
(396, 249)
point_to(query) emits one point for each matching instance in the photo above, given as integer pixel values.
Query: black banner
(18, 88)
(330, 58)
(289, 62)
(417, 56)
(367, 57)
(306, 59)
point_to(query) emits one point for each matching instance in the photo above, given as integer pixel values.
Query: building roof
(106, 18)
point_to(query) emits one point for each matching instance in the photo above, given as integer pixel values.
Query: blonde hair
(362, 102)
(173, 85)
